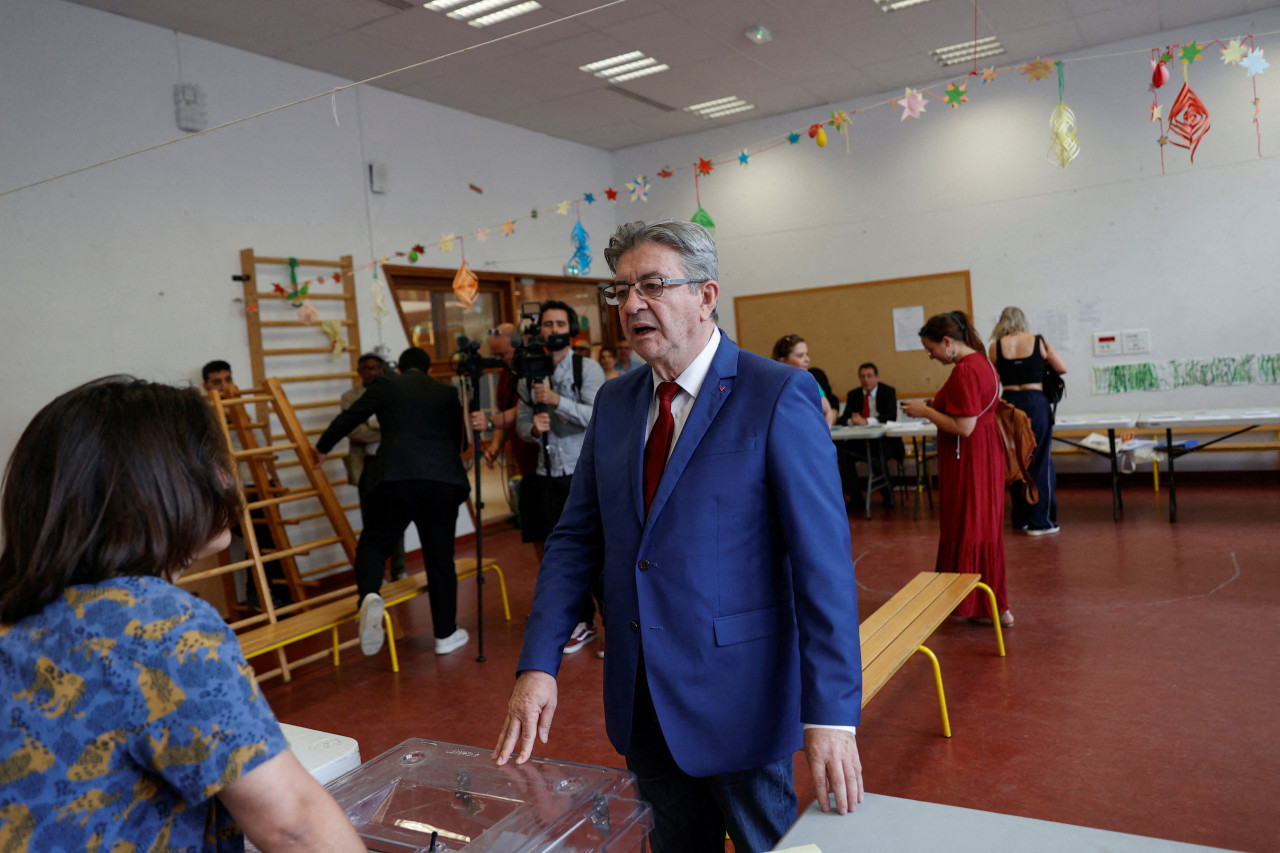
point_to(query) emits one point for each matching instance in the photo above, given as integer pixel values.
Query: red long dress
(971, 483)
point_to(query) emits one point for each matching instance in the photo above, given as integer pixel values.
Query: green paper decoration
(701, 217)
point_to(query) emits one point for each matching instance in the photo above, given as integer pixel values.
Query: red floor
(1140, 693)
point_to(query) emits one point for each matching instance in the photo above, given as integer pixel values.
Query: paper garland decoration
(307, 313)
(818, 135)
(465, 285)
(841, 120)
(1234, 52)
(376, 291)
(705, 166)
(912, 104)
(639, 189)
(743, 157)
(1062, 128)
(1255, 63)
(1038, 70)
(333, 331)
(580, 260)
(701, 217)
(1188, 121)
(445, 244)
(956, 95)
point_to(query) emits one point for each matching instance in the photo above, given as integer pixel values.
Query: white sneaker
(456, 640)
(1042, 531)
(581, 635)
(372, 634)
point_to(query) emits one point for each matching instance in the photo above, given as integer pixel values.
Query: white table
(1091, 422)
(325, 756)
(895, 825)
(869, 433)
(919, 431)
(1236, 420)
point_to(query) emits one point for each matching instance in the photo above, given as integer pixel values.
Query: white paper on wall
(1055, 325)
(906, 328)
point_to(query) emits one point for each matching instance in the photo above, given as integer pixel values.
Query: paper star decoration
(1255, 63)
(912, 104)
(446, 243)
(533, 214)
(483, 235)
(1190, 52)
(589, 198)
(665, 172)
(1157, 112)
(988, 74)
(611, 194)
(793, 138)
(705, 166)
(563, 208)
(1233, 52)
(508, 228)
(956, 96)
(1038, 70)
(639, 189)
(840, 120)
(743, 157)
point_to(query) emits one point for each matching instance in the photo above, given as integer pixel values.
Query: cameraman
(564, 409)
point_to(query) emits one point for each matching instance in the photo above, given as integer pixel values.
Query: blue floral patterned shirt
(129, 706)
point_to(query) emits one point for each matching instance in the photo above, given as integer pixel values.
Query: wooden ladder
(264, 497)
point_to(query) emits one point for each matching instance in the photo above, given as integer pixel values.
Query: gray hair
(694, 244)
(1011, 320)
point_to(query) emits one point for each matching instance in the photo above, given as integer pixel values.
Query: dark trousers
(691, 815)
(542, 501)
(1044, 513)
(367, 480)
(433, 509)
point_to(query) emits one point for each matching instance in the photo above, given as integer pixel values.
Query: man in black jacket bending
(416, 476)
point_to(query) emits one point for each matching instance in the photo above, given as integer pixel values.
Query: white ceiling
(823, 51)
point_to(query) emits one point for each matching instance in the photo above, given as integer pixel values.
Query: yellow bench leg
(334, 634)
(942, 697)
(391, 639)
(995, 616)
(502, 585)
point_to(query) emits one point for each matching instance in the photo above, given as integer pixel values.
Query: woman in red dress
(970, 459)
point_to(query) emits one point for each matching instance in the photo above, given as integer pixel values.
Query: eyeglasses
(650, 288)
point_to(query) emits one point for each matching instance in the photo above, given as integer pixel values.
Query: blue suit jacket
(739, 583)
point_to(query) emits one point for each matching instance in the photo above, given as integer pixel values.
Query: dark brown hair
(785, 345)
(955, 325)
(118, 477)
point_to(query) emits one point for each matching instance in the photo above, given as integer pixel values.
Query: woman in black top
(1020, 358)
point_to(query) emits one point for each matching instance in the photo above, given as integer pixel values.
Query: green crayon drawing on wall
(1219, 371)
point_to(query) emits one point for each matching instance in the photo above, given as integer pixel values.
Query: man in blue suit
(708, 495)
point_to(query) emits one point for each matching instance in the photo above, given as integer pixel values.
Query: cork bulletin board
(848, 324)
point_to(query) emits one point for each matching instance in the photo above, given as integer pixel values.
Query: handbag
(1053, 384)
(1019, 442)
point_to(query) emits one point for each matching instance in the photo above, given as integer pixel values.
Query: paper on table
(1112, 420)
(1068, 421)
(906, 328)
(1165, 417)
(1259, 413)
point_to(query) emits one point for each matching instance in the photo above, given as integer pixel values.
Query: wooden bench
(899, 628)
(333, 614)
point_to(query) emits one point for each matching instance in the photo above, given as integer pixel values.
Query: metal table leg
(1115, 477)
(1173, 489)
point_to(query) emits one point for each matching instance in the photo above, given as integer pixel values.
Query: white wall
(1191, 255)
(127, 267)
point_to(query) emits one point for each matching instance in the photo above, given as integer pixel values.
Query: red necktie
(866, 404)
(655, 451)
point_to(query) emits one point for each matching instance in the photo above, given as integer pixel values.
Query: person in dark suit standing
(872, 402)
(417, 476)
(707, 495)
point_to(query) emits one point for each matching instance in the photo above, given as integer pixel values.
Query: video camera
(532, 360)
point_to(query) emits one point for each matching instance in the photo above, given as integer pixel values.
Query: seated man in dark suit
(873, 402)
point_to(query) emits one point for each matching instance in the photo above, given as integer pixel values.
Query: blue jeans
(1043, 514)
(691, 815)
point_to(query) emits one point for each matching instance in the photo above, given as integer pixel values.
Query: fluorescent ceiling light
(592, 67)
(741, 108)
(441, 5)
(624, 66)
(643, 72)
(720, 107)
(615, 70)
(507, 13)
(895, 5)
(967, 51)
(472, 9)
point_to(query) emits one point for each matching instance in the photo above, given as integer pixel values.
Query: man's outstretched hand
(529, 712)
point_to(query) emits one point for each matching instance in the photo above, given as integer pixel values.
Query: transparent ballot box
(423, 791)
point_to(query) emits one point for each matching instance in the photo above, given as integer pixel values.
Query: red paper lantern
(1159, 75)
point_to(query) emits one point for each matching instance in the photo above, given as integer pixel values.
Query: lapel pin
(721, 387)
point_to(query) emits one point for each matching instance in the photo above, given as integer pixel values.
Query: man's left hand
(833, 760)
(542, 393)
